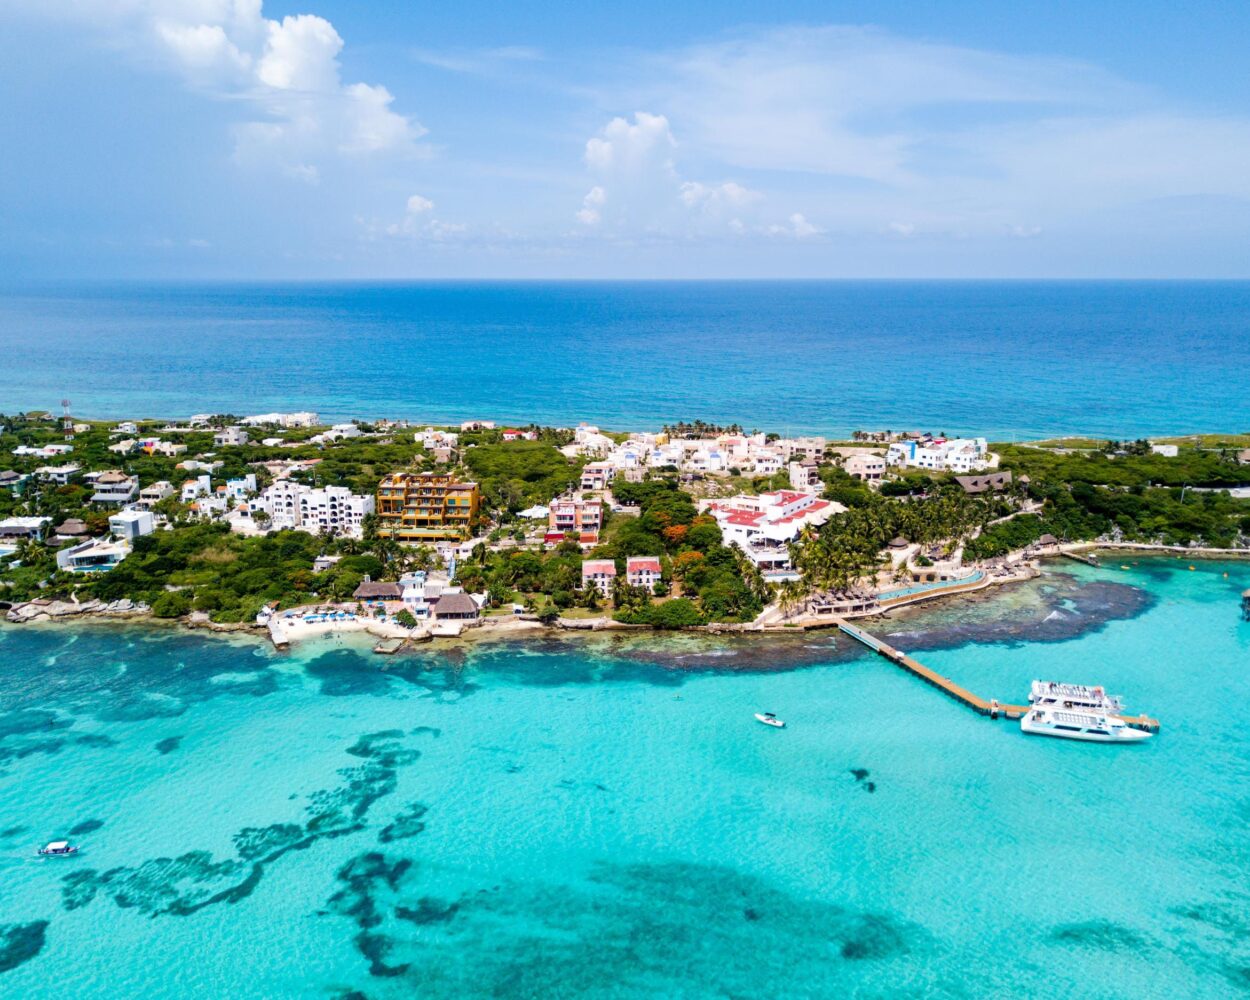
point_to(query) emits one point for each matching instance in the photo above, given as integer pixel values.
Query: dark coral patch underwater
(652, 929)
(194, 880)
(19, 943)
(167, 745)
(1100, 934)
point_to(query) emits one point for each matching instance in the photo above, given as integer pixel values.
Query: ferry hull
(1125, 735)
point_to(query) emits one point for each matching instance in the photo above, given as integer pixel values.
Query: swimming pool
(920, 588)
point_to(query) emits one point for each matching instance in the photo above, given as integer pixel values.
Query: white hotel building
(763, 526)
(960, 455)
(335, 510)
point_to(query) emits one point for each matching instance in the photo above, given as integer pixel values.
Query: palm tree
(790, 594)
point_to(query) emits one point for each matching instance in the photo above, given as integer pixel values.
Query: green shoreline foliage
(1099, 490)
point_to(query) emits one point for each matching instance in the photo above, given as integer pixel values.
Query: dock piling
(991, 709)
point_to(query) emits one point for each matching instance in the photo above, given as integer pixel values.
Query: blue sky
(220, 138)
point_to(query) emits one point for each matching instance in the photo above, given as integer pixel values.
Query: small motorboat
(769, 720)
(58, 849)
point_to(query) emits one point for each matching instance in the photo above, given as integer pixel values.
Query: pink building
(642, 571)
(599, 573)
(580, 517)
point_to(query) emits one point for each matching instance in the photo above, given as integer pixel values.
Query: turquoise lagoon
(602, 817)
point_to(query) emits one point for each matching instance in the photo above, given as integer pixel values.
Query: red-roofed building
(513, 434)
(763, 526)
(643, 571)
(599, 573)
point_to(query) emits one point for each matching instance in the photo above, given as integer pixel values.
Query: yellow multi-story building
(426, 507)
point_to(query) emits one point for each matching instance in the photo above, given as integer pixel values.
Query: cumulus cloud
(623, 147)
(638, 186)
(711, 197)
(796, 227)
(588, 215)
(285, 72)
(417, 223)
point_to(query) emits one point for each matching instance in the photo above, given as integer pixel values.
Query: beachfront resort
(281, 521)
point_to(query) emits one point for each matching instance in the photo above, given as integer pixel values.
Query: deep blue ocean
(1003, 359)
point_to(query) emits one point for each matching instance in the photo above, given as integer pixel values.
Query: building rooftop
(455, 603)
(378, 591)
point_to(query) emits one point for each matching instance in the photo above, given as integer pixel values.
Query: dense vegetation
(1191, 467)
(515, 474)
(719, 582)
(204, 568)
(849, 547)
(1113, 491)
(710, 577)
(1082, 511)
(1123, 493)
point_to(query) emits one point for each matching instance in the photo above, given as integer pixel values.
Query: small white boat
(769, 720)
(58, 849)
(1091, 727)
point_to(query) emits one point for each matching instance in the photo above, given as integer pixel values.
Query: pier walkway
(990, 709)
(1088, 558)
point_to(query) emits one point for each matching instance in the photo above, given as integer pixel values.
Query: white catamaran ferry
(1045, 694)
(1094, 727)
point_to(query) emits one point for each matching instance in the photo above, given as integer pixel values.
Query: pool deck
(989, 708)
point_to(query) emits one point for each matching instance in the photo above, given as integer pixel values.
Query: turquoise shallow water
(581, 818)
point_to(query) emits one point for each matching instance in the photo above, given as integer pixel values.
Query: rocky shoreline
(507, 627)
(45, 610)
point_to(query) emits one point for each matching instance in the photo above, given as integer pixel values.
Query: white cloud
(796, 226)
(872, 127)
(285, 72)
(711, 197)
(303, 172)
(415, 224)
(589, 215)
(641, 147)
(203, 47)
(301, 53)
(636, 175)
(485, 62)
(904, 229)
(442, 230)
(802, 228)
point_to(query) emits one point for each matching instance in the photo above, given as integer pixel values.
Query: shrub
(172, 604)
(681, 612)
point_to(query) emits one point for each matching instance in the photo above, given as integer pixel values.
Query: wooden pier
(1088, 558)
(991, 708)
